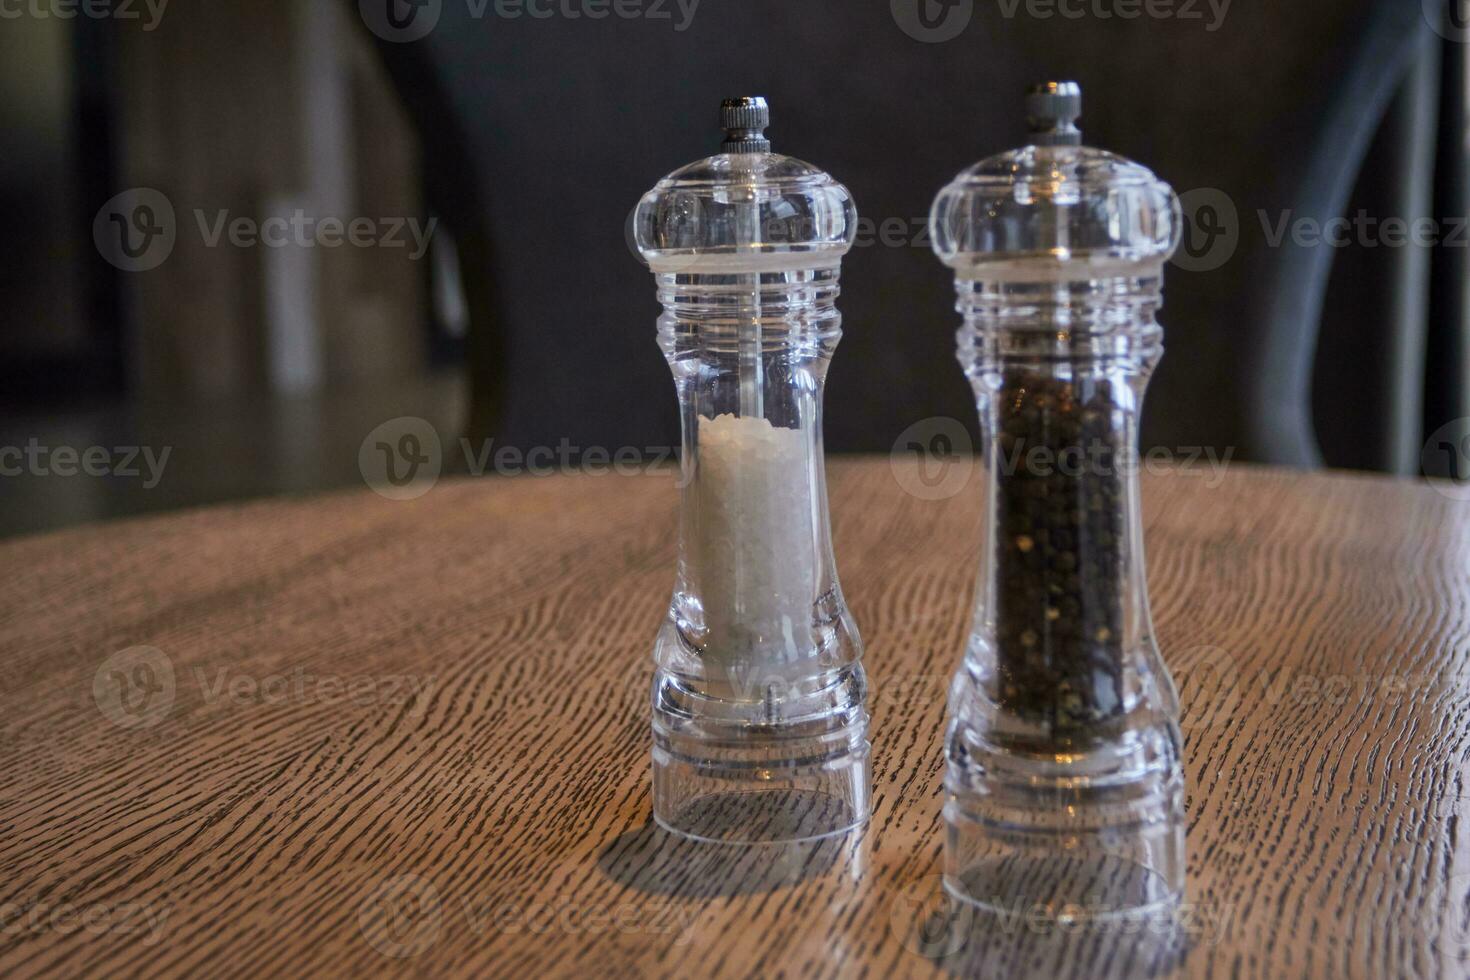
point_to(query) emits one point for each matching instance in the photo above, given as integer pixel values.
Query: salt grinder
(759, 697)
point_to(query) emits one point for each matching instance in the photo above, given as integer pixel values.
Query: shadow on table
(654, 861)
(966, 940)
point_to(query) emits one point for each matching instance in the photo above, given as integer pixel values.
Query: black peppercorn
(1059, 563)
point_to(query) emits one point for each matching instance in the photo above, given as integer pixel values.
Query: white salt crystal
(754, 543)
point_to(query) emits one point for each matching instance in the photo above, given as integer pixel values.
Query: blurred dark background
(248, 233)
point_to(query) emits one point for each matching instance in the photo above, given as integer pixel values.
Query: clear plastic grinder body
(759, 696)
(1064, 785)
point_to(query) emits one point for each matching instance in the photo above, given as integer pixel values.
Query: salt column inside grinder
(754, 541)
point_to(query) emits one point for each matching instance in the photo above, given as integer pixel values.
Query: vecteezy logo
(402, 916)
(637, 693)
(1451, 935)
(1209, 689)
(1450, 19)
(136, 230)
(1211, 230)
(929, 921)
(400, 21)
(932, 459)
(401, 459)
(630, 234)
(675, 225)
(134, 688)
(932, 21)
(1445, 459)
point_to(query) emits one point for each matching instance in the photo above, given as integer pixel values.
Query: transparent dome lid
(1054, 209)
(745, 209)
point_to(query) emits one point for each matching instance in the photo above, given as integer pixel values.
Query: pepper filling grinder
(759, 717)
(1064, 789)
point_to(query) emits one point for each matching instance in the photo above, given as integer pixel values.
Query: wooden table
(350, 735)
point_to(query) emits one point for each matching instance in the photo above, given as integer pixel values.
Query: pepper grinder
(759, 696)
(1064, 787)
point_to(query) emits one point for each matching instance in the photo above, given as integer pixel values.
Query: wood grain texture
(412, 737)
